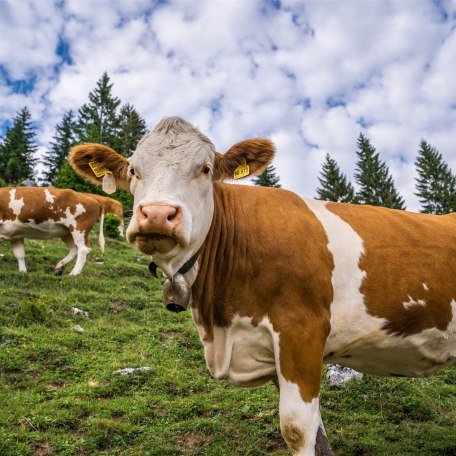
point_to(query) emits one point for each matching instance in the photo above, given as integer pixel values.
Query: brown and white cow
(46, 213)
(280, 284)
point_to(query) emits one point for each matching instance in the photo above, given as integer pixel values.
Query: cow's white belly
(381, 353)
(13, 230)
(242, 353)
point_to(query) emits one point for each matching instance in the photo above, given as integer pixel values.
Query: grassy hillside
(59, 394)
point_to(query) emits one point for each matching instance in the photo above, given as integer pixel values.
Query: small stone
(78, 329)
(338, 376)
(78, 311)
(131, 370)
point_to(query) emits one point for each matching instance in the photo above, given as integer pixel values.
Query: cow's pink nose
(159, 218)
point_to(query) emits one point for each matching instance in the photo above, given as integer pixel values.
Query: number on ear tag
(108, 183)
(241, 171)
(99, 172)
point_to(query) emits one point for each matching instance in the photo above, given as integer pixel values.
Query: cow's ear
(247, 157)
(94, 161)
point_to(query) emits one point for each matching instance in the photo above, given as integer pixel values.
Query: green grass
(58, 393)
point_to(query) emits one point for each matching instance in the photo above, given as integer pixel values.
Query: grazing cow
(279, 285)
(46, 213)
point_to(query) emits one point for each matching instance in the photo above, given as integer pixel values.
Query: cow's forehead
(175, 141)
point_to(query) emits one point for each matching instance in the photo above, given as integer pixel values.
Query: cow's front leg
(19, 253)
(70, 257)
(322, 445)
(299, 419)
(81, 240)
(299, 360)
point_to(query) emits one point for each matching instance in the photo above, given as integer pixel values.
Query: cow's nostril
(172, 215)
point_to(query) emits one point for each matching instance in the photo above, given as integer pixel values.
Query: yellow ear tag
(241, 171)
(99, 172)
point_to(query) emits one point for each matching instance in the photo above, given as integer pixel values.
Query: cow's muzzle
(156, 228)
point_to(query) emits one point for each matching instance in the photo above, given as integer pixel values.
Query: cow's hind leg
(70, 257)
(81, 241)
(19, 253)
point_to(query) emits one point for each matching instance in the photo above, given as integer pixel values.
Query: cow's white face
(171, 176)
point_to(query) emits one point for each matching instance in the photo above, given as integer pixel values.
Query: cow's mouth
(151, 244)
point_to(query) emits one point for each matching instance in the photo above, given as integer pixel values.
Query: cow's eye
(206, 170)
(131, 172)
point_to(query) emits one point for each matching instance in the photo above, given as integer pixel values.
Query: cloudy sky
(309, 75)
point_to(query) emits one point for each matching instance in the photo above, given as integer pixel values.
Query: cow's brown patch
(407, 257)
(294, 436)
(266, 255)
(109, 205)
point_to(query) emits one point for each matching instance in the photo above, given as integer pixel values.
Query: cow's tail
(101, 239)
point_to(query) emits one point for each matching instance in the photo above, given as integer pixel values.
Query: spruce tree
(268, 178)
(63, 140)
(374, 179)
(334, 185)
(436, 184)
(98, 120)
(132, 128)
(17, 160)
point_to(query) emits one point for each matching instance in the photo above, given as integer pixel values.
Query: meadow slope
(59, 395)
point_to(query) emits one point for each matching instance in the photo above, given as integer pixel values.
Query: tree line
(103, 119)
(435, 184)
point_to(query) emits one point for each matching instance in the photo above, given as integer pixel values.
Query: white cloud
(307, 74)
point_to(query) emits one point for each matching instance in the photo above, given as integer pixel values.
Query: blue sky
(309, 75)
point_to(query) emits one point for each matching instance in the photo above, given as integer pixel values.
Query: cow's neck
(225, 258)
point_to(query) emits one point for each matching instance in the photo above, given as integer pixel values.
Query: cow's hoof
(58, 272)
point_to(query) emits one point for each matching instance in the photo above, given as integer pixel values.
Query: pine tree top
(436, 183)
(334, 185)
(268, 178)
(17, 153)
(374, 179)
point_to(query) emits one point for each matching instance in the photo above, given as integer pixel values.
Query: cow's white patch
(426, 288)
(15, 205)
(357, 339)
(49, 196)
(412, 302)
(241, 353)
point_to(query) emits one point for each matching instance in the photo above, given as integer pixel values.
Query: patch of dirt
(188, 441)
(116, 306)
(171, 334)
(42, 448)
(56, 386)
